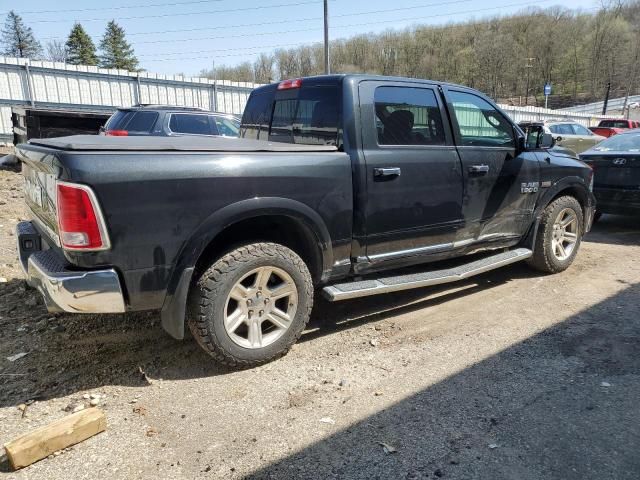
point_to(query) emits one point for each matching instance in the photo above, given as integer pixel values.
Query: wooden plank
(60, 434)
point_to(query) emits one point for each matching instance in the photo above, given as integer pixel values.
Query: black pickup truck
(338, 184)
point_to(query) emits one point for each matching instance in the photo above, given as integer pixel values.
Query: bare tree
(56, 51)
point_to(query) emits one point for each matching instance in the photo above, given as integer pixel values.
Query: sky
(186, 36)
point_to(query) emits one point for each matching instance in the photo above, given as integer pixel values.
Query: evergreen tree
(80, 48)
(18, 40)
(116, 52)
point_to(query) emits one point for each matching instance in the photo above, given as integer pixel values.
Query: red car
(608, 128)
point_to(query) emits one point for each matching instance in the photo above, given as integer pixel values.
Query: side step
(364, 288)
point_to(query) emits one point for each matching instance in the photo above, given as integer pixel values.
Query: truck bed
(182, 143)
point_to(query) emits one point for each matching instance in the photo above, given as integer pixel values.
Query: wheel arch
(290, 223)
(574, 186)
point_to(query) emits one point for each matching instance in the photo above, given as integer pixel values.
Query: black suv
(167, 121)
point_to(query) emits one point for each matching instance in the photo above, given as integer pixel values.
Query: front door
(413, 172)
(501, 183)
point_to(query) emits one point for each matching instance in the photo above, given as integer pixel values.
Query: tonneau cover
(182, 143)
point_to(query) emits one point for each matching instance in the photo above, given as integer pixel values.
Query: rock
(388, 449)
(59, 329)
(3, 280)
(17, 356)
(374, 342)
(86, 396)
(344, 382)
(493, 445)
(79, 407)
(94, 402)
(605, 384)
(328, 420)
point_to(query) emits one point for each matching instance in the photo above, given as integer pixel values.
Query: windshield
(627, 142)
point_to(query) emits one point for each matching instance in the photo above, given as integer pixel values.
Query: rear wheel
(559, 236)
(251, 305)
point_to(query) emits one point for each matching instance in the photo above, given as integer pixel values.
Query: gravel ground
(511, 375)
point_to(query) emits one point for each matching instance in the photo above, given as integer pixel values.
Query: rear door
(566, 136)
(413, 172)
(501, 184)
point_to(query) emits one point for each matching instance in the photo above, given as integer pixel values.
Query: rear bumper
(64, 289)
(617, 200)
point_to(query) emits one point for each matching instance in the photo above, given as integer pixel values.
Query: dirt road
(512, 375)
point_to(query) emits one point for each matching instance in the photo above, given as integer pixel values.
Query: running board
(364, 288)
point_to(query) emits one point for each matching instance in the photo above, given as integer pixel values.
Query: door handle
(479, 169)
(386, 172)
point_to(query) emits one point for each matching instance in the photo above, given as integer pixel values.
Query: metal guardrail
(59, 86)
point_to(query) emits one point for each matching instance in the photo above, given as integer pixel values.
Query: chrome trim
(334, 294)
(411, 251)
(96, 291)
(102, 226)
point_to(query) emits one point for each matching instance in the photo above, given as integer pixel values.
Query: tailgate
(40, 170)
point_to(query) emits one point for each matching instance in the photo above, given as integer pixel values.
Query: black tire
(207, 304)
(543, 258)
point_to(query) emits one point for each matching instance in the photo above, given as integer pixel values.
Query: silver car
(572, 135)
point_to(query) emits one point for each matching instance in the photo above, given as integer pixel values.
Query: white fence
(79, 87)
(523, 114)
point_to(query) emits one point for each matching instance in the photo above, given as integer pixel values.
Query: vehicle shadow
(69, 353)
(561, 404)
(616, 230)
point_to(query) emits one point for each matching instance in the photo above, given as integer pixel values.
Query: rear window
(626, 142)
(118, 120)
(191, 124)
(307, 115)
(614, 124)
(132, 121)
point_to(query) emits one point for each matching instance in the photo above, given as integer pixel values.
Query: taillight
(289, 84)
(116, 133)
(80, 223)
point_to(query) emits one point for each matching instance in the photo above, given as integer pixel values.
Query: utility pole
(528, 66)
(606, 99)
(327, 69)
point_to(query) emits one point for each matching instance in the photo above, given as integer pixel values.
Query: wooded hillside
(508, 57)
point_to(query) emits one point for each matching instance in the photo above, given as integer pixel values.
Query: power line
(182, 14)
(123, 7)
(365, 24)
(344, 26)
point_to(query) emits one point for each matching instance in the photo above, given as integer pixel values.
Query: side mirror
(547, 140)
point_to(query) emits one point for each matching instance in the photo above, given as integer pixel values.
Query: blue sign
(547, 89)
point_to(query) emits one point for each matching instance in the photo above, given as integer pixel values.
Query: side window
(580, 130)
(227, 127)
(565, 129)
(408, 116)
(193, 124)
(480, 123)
(142, 122)
(554, 129)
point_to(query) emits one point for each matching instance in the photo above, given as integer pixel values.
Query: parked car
(533, 129)
(616, 163)
(608, 128)
(339, 180)
(573, 135)
(168, 121)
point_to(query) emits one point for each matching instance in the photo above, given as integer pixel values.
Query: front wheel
(251, 305)
(559, 236)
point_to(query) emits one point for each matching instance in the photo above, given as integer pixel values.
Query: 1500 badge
(529, 187)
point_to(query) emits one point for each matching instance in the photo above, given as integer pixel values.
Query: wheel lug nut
(249, 302)
(261, 312)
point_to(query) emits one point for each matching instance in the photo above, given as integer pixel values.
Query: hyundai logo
(620, 161)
